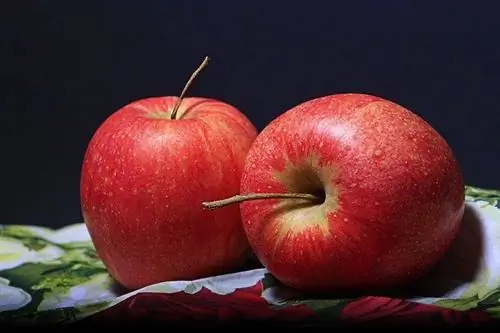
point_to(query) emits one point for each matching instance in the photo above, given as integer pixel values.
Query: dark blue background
(67, 65)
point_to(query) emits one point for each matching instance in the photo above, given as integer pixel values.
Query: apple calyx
(211, 205)
(173, 115)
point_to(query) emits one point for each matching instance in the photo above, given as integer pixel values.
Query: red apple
(350, 192)
(145, 173)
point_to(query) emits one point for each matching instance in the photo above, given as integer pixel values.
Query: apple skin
(393, 195)
(143, 179)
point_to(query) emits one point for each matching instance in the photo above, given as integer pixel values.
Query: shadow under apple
(460, 265)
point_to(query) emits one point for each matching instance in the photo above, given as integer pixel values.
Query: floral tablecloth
(55, 276)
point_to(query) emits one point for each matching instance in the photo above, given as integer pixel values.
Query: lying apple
(145, 173)
(349, 192)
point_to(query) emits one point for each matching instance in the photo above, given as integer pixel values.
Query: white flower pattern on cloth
(14, 253)
(12, 298)
(91, 292)
(221, 285)
(280, 295)
(73, 233)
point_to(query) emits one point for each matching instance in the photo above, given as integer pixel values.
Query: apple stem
(186, 87)
(257, 196)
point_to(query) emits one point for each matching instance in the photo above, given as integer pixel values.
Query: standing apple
(145, 173)
(349, 192)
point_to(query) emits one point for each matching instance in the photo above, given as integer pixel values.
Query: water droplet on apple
(346, 219)
(353, 185)
(377, 153)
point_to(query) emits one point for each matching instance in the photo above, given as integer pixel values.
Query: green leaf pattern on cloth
(55, 276)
